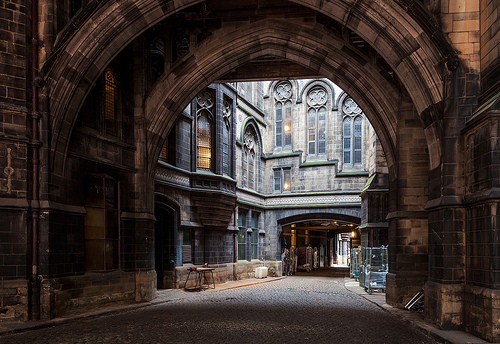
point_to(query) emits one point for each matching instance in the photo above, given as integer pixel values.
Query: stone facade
(94, 88)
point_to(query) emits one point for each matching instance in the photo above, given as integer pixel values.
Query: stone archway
(413, 55)
(410, 106)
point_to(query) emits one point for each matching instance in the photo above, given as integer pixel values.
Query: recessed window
(352, 134)
(282, 180)
(316, 122)
(242, 235)
(102, 223)
(254, 236)
(283, 116)
(226, 137)
(110, 100)
(248, 235)
(250, 159)
(204, 132)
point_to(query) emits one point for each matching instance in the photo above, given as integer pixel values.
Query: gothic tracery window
(204, 132)
(316, 122)
(110, 102)
(251, 151)
(226, 130)
(283, 119)
(352, 132)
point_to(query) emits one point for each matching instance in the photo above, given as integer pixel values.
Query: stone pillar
(482, 198)
(138, 233)
(15, 161)
(407, 216)
(444, 292)
(374, 208)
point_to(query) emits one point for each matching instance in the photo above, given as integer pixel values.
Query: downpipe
(34, 283)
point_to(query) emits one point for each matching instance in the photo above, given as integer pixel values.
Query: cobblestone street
(289, 310)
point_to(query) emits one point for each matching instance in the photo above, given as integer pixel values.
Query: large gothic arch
(83, 54)
(435, 111)
(378, 97)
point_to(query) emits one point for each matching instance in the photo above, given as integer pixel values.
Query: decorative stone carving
(9, 171)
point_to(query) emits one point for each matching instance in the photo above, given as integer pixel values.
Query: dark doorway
(165, 246)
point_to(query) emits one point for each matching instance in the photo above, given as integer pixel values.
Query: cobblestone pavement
(289, 310)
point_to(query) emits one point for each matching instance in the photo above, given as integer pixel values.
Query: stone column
(407, 216)
(444, 292)
(482, 194)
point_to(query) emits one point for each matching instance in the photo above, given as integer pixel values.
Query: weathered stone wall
(82, 293)
(15, 234)
(62, 243)
(225, 272)
(14, 296)
(408, 227)
(490, 54)
(482, 312)
(481, 306)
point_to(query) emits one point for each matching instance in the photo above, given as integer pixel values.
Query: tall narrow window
(283, 116)
(226, 130)
(110, 120)
(244, 168)
(204, 131)
(254, 236)
(316, 122)
(357, 139)
(347, 140)
(102, 223)
(250, 168)
(352, 134)
(187, 246)
(282, 180)
(242, 235)
(169, 148)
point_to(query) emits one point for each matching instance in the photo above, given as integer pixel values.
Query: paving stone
(289, 310)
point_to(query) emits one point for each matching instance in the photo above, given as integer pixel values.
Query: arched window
(251, 153)
(352, 133)
(204, 132)
(347, 136)
(226, 130)
(316, 122)
(283, 118)
(110, 102)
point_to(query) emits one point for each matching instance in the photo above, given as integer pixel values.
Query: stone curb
(415, 319)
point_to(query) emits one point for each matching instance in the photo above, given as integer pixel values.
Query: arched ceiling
(299, 31)
(288, 39)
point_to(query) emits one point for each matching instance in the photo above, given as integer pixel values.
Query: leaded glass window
(226, 130)
(357, 139)
(254, 237)
(283, 115)
(204, 133)
(110, 122)
(352, 133)
(242, 235)
(250, 168)
(316, 121)
(347, 140)
(282, 180)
